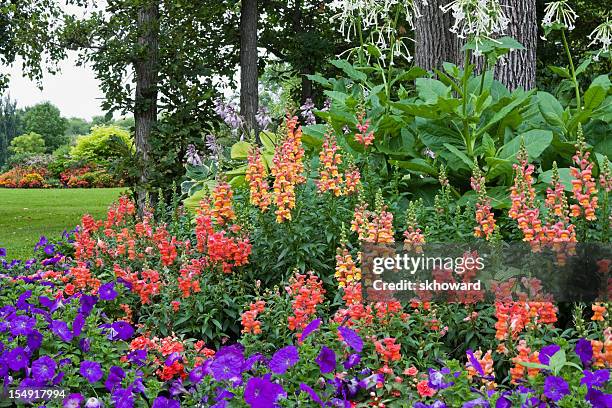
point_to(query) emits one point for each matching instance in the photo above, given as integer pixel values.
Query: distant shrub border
(86, 176)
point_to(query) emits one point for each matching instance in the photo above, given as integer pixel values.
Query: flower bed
(180, 309)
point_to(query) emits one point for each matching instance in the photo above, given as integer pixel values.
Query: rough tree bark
(519, 69)
(434, 43)
(146, 73)
(249, 92)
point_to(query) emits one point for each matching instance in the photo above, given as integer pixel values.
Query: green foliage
(46, 120)
(98, 146)
(77, 127)
(10, 126)
(30, 143)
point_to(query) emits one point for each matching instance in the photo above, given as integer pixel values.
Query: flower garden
(245, 286)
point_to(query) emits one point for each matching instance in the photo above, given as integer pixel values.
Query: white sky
(74, 90)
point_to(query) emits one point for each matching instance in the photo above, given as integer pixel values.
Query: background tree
(76, 127)
(249, 72)
(10, 126)
(434, 43)
(46, 120)
(30, 143)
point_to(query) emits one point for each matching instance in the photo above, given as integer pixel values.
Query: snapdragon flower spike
(584, 187)
(559, 13)
(256, 177)
(484, 215)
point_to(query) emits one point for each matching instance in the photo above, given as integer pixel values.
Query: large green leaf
(536, 141)
(240, 150)
(268, 140)
(418, 165)
(520, 98)
(499, 197)
(461, 155)
(593, 97)
(350, 70)
(413, 109)
(550, 108)
(564, 176)
(430, 90)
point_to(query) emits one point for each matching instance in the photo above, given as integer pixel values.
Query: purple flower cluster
(229, 114)
(306, 111)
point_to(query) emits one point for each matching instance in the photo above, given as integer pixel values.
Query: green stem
(466, 124)
(361, 53)
(571, 61)
(391, 54)
(484, 74)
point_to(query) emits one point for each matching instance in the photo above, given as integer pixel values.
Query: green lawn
(27, 214)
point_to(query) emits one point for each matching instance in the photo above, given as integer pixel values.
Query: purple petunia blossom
(547, 352)
(85, 344)
(260, 392)
(283, 359)
(22, 325)
(87, 304)
(172, 358)
(44, 368)
(555, 388)
(196, 375)
(60, 329)
(121, 330)
(115, 375)
(326, 360)
(49, 249)
(352, 361)
(138, 357)
(478, 402)
(227, 364)
(93, 402)
(91, 371)
(436, 379)
(34, 340)
(308, 390)
(163, 402)
(107, 291)
(310, 327)
(250, 362)
(584, 350)
(22, 301)
(17, 358)
(599, 399)
(123, 398)
(2, 252)
(77, 325)
(598, 378)
(351, 338)
(436, 404)
(73, 401)
(474, 362)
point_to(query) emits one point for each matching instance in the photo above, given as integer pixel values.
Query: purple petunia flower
(87, 304)
(598, 378)
(121, 330)
(73, 401)
(260, 392)
(250, 362)
(85, 344)
(326, 360)
(547, 352)
(478, 402)
(599, 399)
(310, 327)
(22, 301)
(138, 357)
(2, 252)
(172, 358)
(44, 368)
(351, 338)
(60, 329)
(436, 379)
(91, 371)
(352, 361)
(307, 389)
(555, 388)
(22, 325)
(474, 362)
(227, 364)
(436, 404)
(49, 249)
(196, 375)
(584, 350)
(41, 242)
(34, 340)
(163, 402)
(283, 359)
(107, 291)
(93, 402)
(17, 358)
(123, 398)
(115, 375)
(77, 325)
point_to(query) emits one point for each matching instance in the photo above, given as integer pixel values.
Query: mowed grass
(27, 214)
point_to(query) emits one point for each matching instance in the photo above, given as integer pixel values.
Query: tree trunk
(249, 75)
(519, 68)
(435, 44)
(145, 107)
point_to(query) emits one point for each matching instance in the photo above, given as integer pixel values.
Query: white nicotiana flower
(559, 12)
(377, 16)
(477, 19)
(602, 35)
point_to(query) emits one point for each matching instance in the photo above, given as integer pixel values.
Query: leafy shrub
(98, 146)
(31, 143)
